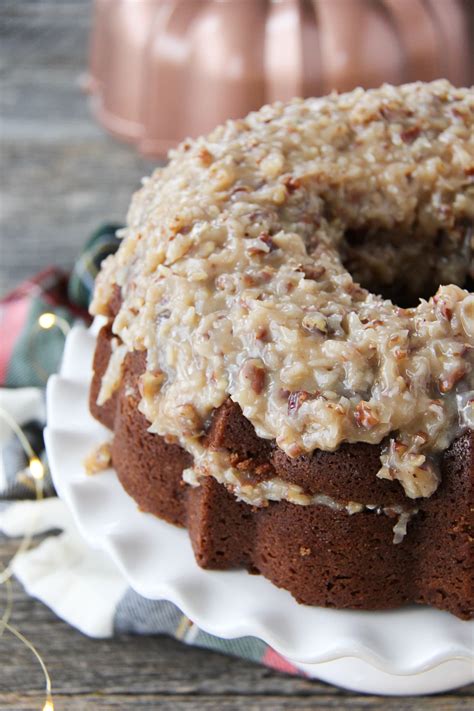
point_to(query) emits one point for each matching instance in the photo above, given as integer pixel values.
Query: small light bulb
(48, 705)
(47, 320)
(36, 468)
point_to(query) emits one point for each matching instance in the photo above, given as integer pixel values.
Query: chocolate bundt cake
(288, 361)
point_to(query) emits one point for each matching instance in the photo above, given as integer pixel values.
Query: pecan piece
(297, 398)
(410, 134)
(291, 184)
(364, 415)
(314, 273)
(443, 307)
(449, 381)
(254, 372)
(262, 245)
(205, 157)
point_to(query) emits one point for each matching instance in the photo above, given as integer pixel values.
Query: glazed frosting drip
(277, 489)
(232, 278)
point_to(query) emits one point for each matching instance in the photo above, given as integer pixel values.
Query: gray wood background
(61, 176)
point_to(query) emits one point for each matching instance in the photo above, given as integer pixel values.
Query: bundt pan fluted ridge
(162, 70)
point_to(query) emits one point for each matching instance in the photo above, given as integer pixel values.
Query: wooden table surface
(61, 176)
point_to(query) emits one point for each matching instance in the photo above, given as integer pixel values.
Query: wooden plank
(252, 702)
(62, 175)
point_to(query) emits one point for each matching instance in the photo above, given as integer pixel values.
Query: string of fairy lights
(35, 477)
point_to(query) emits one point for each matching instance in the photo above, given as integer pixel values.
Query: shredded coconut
(113, 374)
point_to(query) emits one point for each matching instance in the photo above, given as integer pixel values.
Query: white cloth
(81, 585)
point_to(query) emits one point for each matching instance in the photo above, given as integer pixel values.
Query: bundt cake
(288, 361)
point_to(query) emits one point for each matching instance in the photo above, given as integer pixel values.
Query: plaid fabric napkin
(81, 585)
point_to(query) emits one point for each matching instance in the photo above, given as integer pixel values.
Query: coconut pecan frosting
(311, 261)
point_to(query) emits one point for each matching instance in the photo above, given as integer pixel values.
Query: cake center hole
(406, 268)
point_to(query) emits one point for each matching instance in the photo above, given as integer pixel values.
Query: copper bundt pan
(161, 70)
